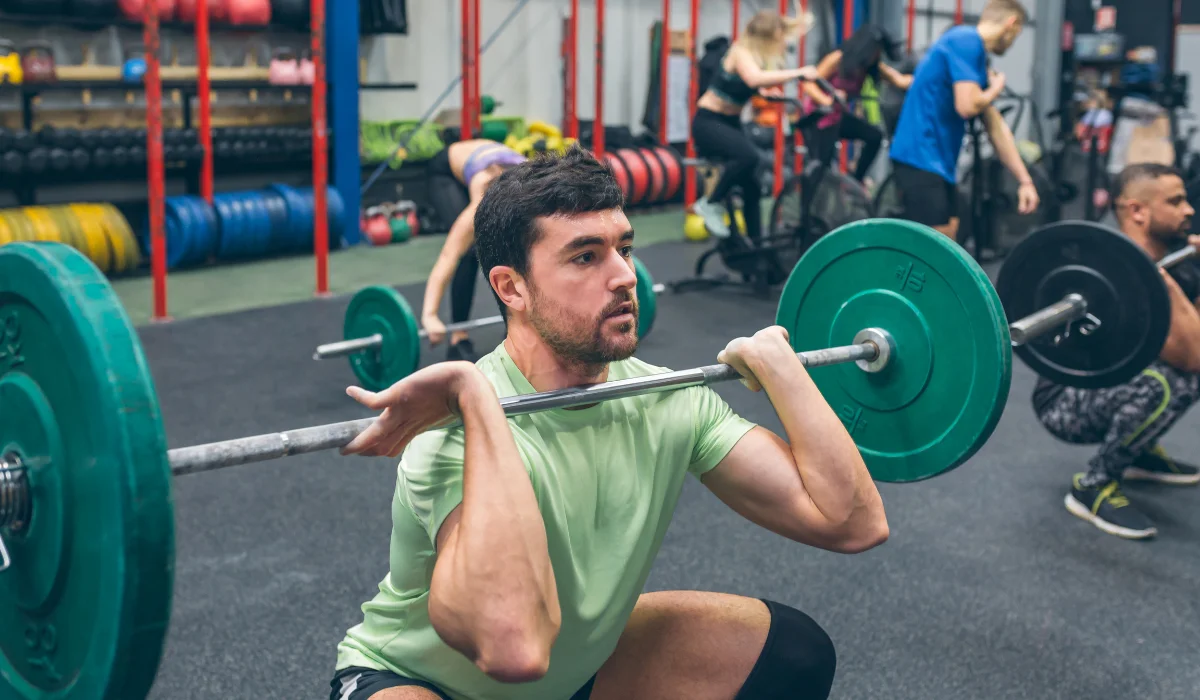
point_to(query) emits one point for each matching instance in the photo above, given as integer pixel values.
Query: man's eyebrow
(588, 241)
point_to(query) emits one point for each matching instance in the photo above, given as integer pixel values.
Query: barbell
(383, 337)
(910, 331)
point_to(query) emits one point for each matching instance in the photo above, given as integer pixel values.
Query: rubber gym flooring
(987, 588)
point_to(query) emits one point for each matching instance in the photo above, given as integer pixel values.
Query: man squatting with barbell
(1127, 420)
(520, 547)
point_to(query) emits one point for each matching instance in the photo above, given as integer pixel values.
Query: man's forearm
(1006, 146)
(495, 574)
(829, 462)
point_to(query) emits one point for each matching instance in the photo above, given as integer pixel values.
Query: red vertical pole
(664, 63)
(912, 20)
(797, 137)
(477, 83)
(689, 192)
(468, 72)
(781, 113)
(571, 57)
(203, 97)
(737, 22)
(958, 12)
(154, 159)
(320, 149)
(598, 125)
(847, 32)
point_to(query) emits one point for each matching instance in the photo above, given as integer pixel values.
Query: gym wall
(523, 69)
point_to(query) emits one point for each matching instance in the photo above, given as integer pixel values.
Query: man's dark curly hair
(506, 227)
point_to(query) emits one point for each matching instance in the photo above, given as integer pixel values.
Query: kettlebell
(284, 70)
(401, 231)
(135, 10)
(10, 63)
(378, 230)
(694, 229)
(414, 222)
(38, 62)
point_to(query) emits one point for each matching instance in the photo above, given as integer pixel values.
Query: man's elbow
(862, 536)
(966, 110)
(506, 648)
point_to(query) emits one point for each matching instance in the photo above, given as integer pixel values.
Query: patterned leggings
(1125, 420)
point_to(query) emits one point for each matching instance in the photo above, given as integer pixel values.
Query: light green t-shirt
(607, 479)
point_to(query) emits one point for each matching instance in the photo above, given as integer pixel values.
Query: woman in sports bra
(847, 68)
(458, 176)
(751, 64)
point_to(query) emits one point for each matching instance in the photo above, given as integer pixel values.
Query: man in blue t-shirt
(954, 84)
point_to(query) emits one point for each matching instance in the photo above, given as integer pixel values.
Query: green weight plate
(85, 606)
(647, 299)
(940, 395)
(382, 310)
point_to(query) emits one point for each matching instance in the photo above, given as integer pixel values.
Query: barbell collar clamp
(1072, 307)
(15, 501)
(876, 351)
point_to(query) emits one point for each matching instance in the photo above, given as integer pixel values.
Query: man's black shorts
(927, 198)
(356, 683)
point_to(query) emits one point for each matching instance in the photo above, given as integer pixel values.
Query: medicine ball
(256, 12)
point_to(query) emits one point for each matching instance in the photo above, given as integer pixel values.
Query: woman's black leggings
(854, 128)
(721, 137)
(449, 198)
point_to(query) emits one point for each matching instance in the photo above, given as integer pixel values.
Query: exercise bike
(799, 216)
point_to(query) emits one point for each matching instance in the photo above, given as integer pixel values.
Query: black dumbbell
(80, 159)
(102, 158)
(88, 139)
(108, 138)
(223, 150)
(37, 160)
(6, 140)
(196, 153)
(237, 150)
(48, 136)
(68, 138)
(120, 157)
(24, 141)
(137, 154)
(12, 163)
(60, 160)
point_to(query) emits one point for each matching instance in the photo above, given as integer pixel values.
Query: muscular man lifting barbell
(1128, 420)
(520, 549)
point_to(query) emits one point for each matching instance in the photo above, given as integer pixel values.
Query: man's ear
(510, 286)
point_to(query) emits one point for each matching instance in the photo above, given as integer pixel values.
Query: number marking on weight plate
(910, 278)
(10, 341)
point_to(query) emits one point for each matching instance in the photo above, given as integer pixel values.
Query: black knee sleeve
(797, 662)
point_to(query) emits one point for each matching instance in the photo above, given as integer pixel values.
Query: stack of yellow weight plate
(98, 231)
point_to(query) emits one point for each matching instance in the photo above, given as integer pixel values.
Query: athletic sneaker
(462, 350)
(1104, 506)
(1157, 465)
(713, 215)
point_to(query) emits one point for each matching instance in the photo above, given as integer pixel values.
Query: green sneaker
(1104, 506)
(1157, 465)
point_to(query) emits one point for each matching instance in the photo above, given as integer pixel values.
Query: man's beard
(582, 341)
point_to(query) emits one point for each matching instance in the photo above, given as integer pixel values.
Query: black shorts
(356, 683)
(927, 198)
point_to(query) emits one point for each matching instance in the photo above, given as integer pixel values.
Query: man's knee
(797, 661)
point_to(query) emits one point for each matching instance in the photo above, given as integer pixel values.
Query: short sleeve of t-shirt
(966, 58)
(718, 429)
(431, 476)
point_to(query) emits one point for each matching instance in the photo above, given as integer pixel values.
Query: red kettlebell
(414, 223)
(218, 11)
(249, 11)
(378, 230)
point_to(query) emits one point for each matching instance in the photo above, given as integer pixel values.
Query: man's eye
(585, 258)
(627, 251)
